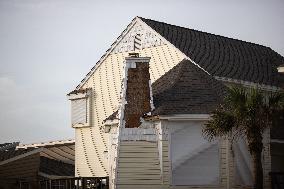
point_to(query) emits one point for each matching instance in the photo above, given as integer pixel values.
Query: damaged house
(139, 112)
(33, 165)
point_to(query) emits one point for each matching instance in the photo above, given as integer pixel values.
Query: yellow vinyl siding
(106, 84)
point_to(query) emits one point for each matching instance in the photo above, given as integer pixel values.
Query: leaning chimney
(137, 89)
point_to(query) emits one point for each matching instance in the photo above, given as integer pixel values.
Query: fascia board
(182, 117)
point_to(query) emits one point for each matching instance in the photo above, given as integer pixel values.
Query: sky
(48, 46)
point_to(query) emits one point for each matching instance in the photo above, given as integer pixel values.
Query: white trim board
(181, 117)
(42, 144)
(120, 38)
(248, 84)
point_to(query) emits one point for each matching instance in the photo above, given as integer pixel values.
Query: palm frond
(221, 124)
(236, 100)
(276, 100)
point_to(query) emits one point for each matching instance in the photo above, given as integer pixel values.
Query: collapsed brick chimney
(137, 89)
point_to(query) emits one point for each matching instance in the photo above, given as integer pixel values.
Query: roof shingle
(223, 56)
(186, 89)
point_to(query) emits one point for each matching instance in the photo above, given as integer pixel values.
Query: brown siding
(25, 169)
(137, 94)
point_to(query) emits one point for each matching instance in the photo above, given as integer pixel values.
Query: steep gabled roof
(222, 56)
(186, 89)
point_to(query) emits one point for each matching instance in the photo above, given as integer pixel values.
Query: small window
(80, 113)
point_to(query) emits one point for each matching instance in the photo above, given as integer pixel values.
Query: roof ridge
(206, 32)
(197, 72)
(175, 79)
(187, 94)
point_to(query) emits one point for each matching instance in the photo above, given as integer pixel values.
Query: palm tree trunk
(257, 170)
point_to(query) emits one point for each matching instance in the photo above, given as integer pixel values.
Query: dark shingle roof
(186, 89)
(55, 167)
(222, 56)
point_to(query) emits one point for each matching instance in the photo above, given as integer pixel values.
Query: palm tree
(247, 113)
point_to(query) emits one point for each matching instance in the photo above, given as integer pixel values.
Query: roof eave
(180, 117)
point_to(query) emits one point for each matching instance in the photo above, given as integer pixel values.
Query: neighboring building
(189, 70)
(23, 166)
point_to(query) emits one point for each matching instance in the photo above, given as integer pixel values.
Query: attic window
(80, 108)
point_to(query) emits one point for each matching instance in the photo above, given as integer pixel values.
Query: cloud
(6, 84)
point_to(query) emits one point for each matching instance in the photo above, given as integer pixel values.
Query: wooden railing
(277, 180)
(75, 183)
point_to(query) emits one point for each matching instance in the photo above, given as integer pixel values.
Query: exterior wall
(145, 162)
(266, 163)
(144, 159)
(164, 140)
(227, 162)
(25, 169)
(138, 165)
(91, 142)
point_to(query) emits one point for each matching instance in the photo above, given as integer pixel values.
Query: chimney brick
(137, 92)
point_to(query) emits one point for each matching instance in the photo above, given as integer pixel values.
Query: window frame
(78, 95)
